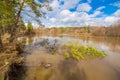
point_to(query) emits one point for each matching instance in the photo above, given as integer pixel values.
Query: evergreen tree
(10, 14)
(29, 27)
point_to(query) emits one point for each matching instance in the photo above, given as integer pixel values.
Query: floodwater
(40, 64)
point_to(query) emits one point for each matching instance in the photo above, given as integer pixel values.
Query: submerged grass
(72, 50)
(77, 52)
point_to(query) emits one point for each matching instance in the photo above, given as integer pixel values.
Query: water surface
(42, 65)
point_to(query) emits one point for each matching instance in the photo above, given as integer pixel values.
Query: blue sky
(82, 12)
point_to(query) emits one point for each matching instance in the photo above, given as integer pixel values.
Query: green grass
(77, 52)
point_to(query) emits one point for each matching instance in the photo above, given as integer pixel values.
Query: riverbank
(10, 52)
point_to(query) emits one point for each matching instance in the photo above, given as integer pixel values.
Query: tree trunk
(1, 45)
(14, 30)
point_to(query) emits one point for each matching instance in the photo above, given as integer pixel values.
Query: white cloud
(89, 1)
(117, 13)
(70, 3)
(52, 20)
(65, 13)
(54, 4)
(62, 16)
(84, 7)
(111, 19)
(58, 8)
(116, 4)
(100, 8)
(96, 13)
(96, 22)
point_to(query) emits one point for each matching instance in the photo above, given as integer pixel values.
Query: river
(40, 64)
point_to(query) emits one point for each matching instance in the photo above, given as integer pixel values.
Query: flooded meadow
(45, 60)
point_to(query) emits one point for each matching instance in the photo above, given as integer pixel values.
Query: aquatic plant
(66, 55)
(95, 52)
(77, 52)
(52, 46)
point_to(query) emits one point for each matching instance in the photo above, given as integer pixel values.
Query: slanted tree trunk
(1, 45)
(14, 30)
(0, 40)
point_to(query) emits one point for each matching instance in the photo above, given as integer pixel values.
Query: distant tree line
(113, 30)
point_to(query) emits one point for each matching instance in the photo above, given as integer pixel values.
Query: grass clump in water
(95, 52)
(66, 55)
(77, 52)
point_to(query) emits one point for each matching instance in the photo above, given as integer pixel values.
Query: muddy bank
(11, 53)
